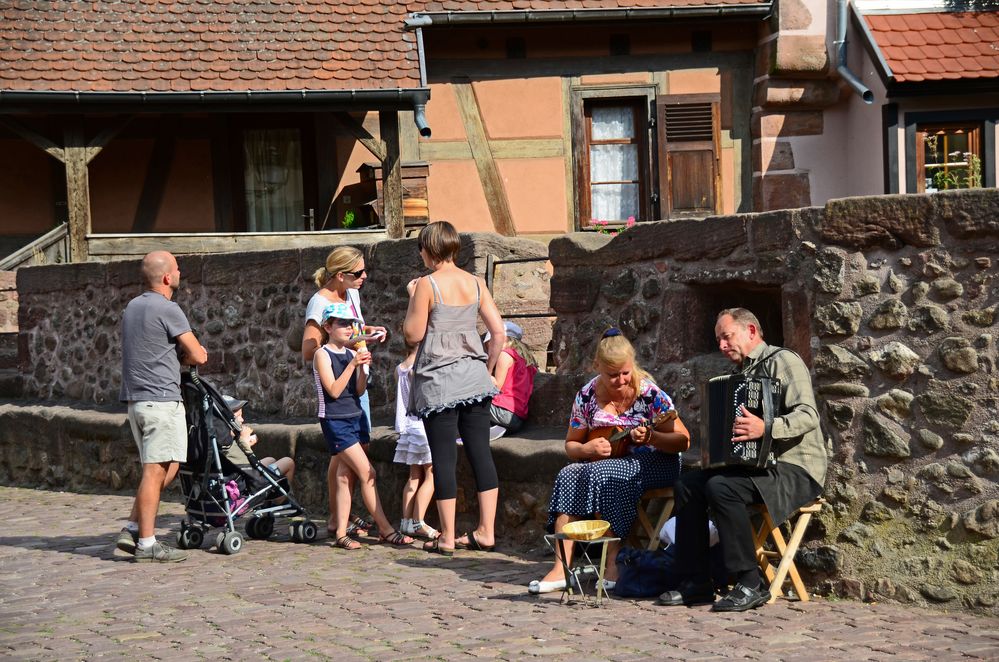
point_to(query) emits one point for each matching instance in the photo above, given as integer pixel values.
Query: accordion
(721, 399)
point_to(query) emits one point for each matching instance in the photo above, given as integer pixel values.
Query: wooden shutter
(689, 181)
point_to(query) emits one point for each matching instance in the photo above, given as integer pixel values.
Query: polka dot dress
(611, 488)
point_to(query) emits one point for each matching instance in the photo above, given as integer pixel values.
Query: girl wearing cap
(514, 377)
(340, 381)
(338, 280)
(452, 387)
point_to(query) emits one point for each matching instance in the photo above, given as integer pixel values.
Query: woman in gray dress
(452, 388)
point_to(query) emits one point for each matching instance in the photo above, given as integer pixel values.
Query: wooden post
(388, 126)
(77, 192)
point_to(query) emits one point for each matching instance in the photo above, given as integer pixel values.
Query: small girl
(514, 377)
(412, 449)
(340, 383)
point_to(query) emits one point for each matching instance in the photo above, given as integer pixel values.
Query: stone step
(11, 383)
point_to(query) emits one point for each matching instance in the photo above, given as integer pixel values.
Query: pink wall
(27, 204)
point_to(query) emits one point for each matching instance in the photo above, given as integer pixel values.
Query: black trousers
(725, 492)
(471, 422)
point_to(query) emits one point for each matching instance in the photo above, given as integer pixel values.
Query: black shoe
(741, 598)
(688, 594)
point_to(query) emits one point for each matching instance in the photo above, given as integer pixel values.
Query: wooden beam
(492, 183)
(39, 141)
(356, 129)
(77, 192)
(388, 127)
(101, 140)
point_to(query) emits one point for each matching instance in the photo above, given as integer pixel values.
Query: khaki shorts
(159, 430)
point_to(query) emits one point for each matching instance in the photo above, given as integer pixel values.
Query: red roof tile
(938, 46)
(265, 45)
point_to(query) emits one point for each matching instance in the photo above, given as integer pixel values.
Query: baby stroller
(216, 491)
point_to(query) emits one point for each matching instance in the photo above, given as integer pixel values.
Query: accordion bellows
(721, 399)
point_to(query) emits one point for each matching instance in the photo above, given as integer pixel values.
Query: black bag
(643, 573)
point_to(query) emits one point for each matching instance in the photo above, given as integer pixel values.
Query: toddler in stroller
(217, 491)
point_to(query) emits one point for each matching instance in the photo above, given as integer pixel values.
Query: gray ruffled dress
(450, 367)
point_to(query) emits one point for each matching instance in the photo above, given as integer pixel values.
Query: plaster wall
(26, 189)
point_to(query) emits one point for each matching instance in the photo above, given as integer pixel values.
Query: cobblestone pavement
(66, 593)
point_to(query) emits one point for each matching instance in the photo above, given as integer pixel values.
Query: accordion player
(721, 400)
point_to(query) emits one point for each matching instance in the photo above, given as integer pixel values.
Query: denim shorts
(342, 433)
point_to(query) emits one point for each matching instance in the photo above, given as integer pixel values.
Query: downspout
(420, 110)
(841, 21)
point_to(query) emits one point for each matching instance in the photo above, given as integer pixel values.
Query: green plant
(349, 220)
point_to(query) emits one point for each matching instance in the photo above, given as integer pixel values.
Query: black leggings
(443, 428)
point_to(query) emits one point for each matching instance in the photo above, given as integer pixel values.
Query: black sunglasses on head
(355, 274)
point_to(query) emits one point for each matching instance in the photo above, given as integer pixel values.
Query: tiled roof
(233, 45)
(521, 5)
(938, 46)
(195, 45)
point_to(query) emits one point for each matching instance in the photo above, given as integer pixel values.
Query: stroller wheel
(307, 532)
(190, 537)
(260, 528)
(231, 542)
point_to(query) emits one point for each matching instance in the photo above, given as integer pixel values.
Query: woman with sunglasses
(607, 481)
(338, 281)
(452, 388)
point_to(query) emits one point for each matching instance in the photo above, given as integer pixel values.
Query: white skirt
(412, 448)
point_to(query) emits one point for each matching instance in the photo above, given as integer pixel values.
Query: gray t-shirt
(150, 363)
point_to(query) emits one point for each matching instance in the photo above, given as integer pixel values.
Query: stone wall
(92, 449)
(247, 309)
(893, 302)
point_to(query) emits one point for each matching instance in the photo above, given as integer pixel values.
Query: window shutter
(688, 142)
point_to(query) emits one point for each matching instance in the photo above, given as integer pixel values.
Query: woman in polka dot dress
(622, 394)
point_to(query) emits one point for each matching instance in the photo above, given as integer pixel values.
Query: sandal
(423, 531)
(348, 543)
(396, 538)
(473, 544)
(434, 547)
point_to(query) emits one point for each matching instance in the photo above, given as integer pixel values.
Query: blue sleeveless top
(348, 405)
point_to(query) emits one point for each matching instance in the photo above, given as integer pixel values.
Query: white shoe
(536, 587)
(496, 431)
(607, 584)
(458, 441)
(406, 527)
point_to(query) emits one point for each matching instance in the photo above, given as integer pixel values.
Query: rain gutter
(505, 17)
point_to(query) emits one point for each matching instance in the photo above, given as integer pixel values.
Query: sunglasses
(355, 274)
(336, 321)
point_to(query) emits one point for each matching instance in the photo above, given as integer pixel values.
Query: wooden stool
(643, 524)
(785, 550)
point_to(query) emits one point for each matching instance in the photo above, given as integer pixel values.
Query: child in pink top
(514, 377)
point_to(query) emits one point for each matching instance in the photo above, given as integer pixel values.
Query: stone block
(794, 15)
(8, 280)
(784, 191)
(796, 94)
(772, 231)
(574, 291)
(886, 221)
(230, 269)
(969, 213)
(60, 277)
(771, 154)
(802, 56)
(786, 124)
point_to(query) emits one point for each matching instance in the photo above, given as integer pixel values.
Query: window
(689, 180)
(615, 161)
(948, 156)
(272, 180)
(623, 171)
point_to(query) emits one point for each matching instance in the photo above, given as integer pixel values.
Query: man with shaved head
(156, 339)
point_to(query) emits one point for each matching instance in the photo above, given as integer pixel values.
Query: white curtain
(613, 167)
(275, 201)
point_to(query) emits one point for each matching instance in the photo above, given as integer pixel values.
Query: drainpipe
(865, 92)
